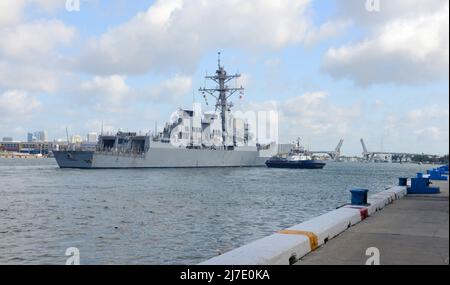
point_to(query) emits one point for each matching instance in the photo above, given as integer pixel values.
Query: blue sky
(331, 68)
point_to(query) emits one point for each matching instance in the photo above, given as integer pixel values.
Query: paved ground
(411, 231)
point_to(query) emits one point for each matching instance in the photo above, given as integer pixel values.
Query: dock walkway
(411, 231)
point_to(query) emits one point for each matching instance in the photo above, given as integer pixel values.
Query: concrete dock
(411, 231)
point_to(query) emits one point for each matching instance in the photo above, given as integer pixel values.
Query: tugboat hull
(305, 164)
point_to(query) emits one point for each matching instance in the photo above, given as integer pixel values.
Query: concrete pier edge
(288, 246)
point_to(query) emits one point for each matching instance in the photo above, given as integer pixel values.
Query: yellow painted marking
(313, 241)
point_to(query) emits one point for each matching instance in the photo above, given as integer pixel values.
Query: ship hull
(159, 158)
(305, 164)
(74, 159)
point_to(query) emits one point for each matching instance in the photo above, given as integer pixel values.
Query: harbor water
(164, 216)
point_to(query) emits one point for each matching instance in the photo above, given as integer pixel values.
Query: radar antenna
(222, 92)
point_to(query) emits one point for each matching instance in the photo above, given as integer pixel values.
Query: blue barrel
(403, 181)
(359, 196)
(419, 175)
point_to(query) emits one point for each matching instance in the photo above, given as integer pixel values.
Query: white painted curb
(283, 249)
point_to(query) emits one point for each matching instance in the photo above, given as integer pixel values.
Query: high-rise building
(31, 137)
(41, 136)
(92, 138)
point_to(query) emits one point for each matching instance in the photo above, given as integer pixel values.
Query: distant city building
(31, 137)
(92, 138)
(40, 136)
(7, 139)
(76, 139)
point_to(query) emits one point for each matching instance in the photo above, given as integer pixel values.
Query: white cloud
(311, 115)
(327, 30)
(33, 40)
(114, 84)
(111, 93)
(15, 104)
(29, 77)
(318, 120)
(434, 133)
(176, 33)
(427, 113)
(170, 90)
(11, 12)
(108, 92)
(30, 59)
(314, 112)
(49, 6)
(423, 129)
(406, 50)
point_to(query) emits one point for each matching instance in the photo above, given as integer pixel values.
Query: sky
(332, 69)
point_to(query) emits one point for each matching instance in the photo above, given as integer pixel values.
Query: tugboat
(298, 158)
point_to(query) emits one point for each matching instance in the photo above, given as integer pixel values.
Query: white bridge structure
(334, 154)
(385, 156)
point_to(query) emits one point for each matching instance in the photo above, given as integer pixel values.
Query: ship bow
(74, 159)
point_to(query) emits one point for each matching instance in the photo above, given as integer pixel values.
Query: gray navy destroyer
(192, 138)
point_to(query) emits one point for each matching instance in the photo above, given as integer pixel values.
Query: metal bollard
(402, 181)
(359, 197)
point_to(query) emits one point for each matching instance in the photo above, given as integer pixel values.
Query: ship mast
(222, 93)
